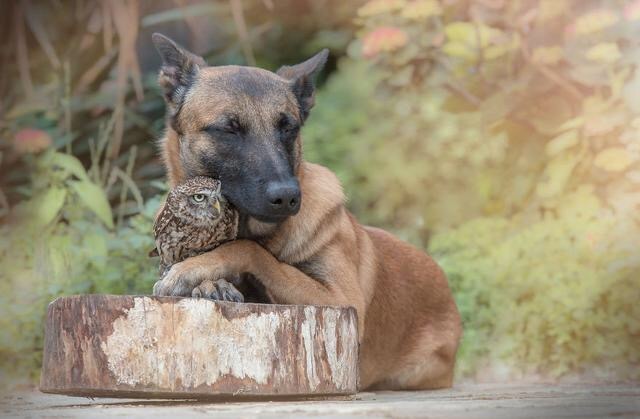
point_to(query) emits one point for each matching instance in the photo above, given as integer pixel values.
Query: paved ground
(475, 400)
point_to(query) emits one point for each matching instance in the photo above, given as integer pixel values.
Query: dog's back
(412, 326)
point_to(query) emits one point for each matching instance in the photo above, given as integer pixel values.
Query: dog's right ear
(303, 78)
(179, 69)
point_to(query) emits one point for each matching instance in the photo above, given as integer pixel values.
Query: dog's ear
(303, 79)
(179, 68)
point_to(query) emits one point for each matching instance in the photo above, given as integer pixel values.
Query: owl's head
(197, 201)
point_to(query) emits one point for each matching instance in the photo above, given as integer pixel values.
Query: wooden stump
(166, 347)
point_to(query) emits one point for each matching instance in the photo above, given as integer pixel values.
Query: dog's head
(241, 125)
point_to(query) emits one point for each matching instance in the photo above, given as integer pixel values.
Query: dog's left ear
(179, 68)
(303, 79)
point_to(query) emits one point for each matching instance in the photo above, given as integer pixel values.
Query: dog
(242, 125)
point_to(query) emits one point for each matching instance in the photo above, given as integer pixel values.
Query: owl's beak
(216, 205)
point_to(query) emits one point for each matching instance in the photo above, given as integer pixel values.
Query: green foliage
(554, 296)
(503, 137)
(399, 154)
(62, 242)
(79, 173)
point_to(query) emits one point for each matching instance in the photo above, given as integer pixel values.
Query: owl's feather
(162, 220)
(186, 228)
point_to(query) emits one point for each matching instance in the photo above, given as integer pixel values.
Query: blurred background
(501, 136)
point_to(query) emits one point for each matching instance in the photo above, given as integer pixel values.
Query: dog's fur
(409, 325)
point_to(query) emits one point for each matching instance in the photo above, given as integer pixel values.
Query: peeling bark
(139, 346)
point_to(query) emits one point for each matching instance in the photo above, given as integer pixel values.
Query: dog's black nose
(283, 197)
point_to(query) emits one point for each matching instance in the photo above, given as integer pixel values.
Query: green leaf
(97, 243)
(48, 205)
(70, 164)
(93, 197)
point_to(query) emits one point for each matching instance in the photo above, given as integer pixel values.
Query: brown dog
(241, 125)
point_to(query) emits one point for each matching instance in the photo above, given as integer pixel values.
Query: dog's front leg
(284, 282)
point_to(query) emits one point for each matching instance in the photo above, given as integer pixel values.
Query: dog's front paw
(181, 280)
(218, 290)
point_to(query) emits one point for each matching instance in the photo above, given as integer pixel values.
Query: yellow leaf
(420, 9)
(460, 31)
(613, 159)
(572, 123)
(562, 142)
(604, 53)
(603, 123)
(547, 55)
(464, 39)
(556, 175)
(471, 33)
(493, 52)
(377, 7)
(594, 21)
(459, 49)
(550, 9)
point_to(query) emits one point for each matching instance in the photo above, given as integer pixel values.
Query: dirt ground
(466, 400)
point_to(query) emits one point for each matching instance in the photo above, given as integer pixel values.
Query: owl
(195, 218)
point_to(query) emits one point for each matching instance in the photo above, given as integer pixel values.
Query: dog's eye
(233, 127)
(198, 198)
(287, 125)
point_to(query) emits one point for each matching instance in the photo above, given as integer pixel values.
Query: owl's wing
(162, 220)
(231, 220)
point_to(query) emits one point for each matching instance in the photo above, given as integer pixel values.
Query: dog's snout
(283, 197)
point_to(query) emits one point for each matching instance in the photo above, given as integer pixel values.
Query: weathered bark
(139, 346)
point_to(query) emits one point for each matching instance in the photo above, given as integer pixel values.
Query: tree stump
(167, 347)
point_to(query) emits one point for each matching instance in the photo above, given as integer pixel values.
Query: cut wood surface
(167, 347)
(505, 400)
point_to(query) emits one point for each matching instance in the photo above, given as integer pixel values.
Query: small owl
(195, 218)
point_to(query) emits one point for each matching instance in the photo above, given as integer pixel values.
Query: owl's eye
(198, 197)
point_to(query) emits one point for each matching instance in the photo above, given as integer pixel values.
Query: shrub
(551, 297)
(503, 137)
(62, 241)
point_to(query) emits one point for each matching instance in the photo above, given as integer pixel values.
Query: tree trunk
(166, 347)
